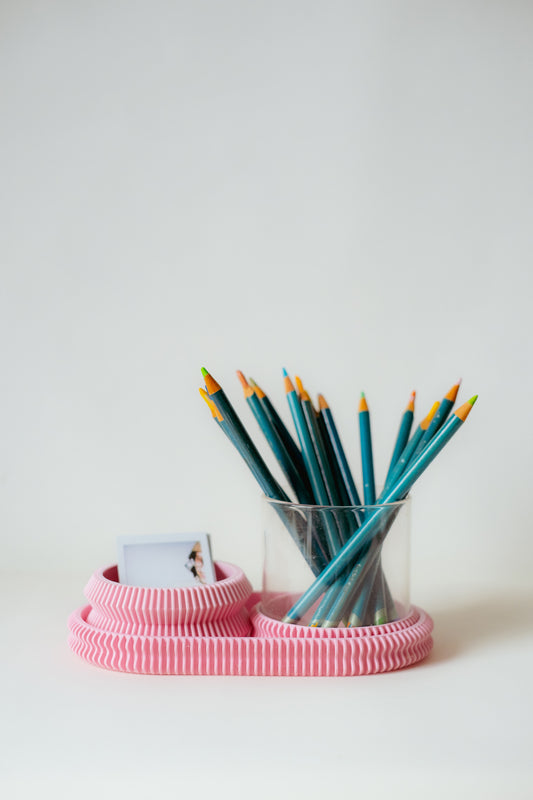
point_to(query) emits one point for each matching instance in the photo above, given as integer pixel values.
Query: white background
(342, 189)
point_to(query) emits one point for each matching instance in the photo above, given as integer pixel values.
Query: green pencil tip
(473, 399)
(362, 394)
(204, 372)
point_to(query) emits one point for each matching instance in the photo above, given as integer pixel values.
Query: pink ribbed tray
(270, 648)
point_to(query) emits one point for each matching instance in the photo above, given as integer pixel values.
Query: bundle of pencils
(345, 556)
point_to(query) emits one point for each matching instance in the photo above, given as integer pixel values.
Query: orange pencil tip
(210, 383)
(464, 410)
(244, 382)
(257, 389)
(289, 387)
(248, 390)
(363, 406)
(322, 404)
(452, 394)
(299, 385)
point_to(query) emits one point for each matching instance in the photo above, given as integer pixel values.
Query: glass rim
(272, 501)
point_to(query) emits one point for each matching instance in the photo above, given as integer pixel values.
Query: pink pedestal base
(251, 643)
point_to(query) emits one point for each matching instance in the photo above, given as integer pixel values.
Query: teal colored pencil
(373, 523)
(276, 421)
(311, 463)
(367, 460)
(338, 450)
(277, 446)
(217, 396)
(440, 417)
(403, 435)
(364, 599)
(333, 494)
(408, 451)
(380, 606)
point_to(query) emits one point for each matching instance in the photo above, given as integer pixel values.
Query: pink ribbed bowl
(119, 607)
(222, 629)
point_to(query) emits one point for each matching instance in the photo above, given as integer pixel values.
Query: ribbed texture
(266, 626)
(308, 655)
(137, 607)
(236, 625)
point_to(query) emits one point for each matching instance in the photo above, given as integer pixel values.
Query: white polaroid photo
(169, 561)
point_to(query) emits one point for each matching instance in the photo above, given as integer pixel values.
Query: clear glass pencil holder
(372, 587)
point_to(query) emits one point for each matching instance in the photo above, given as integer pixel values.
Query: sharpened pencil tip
(242, 379)
(285, 373)
(473, 399)
(204, 372)
(322, 403)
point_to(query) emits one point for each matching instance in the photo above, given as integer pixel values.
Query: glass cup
(371, 587)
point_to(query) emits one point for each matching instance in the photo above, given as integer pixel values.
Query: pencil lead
(452, 394)
(473, 399)
(285, 373)
(299, 385)
(204, 372)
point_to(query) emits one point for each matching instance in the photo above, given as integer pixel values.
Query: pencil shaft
(367, 460)
(337, 448)
(278, 448)
(249, 451)
(285, 436)
(401, 440)
(332, 494)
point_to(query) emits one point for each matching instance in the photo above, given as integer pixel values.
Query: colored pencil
(338, 450)
(403, 434)
(367, 460)
(311, 463)
(369, 528)
(279, 425)
(251, 456)
(275, 442)
(441, 415)
(310, 416)
(408, 450)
